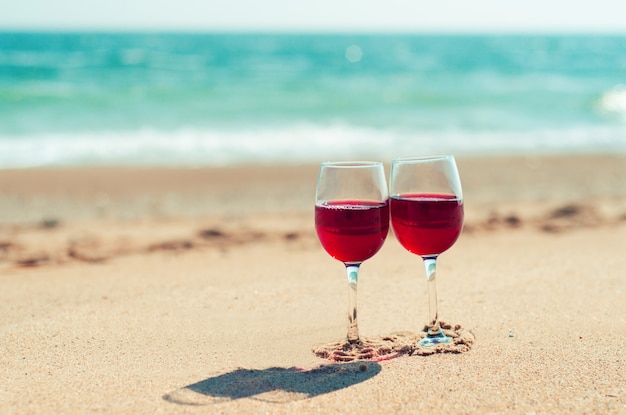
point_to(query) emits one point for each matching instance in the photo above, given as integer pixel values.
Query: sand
(206, 291)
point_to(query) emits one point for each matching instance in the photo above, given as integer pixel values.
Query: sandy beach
(154, 290)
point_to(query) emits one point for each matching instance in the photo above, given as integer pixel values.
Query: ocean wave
(614, 101)
(288, 145)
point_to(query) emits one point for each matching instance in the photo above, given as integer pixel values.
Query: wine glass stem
(430, 263)
(353, 279)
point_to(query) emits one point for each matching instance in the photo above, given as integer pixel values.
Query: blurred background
(207, 83)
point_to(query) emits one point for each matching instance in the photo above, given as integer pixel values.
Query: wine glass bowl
(352, 219)
(426, 208)
(352, 231)
(427, 224)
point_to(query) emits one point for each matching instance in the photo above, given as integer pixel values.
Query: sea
(214, 99)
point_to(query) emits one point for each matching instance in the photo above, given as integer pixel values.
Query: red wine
(351, 230)
(426, 224)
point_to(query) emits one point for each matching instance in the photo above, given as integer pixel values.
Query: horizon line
(311, 31)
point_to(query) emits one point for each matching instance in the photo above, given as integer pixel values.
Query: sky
(597, 16)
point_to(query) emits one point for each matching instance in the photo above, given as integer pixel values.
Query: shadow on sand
(274, 384)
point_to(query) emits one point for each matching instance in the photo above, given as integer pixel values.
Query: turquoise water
(210, 99)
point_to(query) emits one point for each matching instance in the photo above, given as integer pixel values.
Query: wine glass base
(432, 341)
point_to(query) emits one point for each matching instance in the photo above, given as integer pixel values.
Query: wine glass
(426, 208)
(352, 219)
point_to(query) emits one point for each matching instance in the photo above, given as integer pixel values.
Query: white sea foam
(614, 101)
(288, 145)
